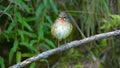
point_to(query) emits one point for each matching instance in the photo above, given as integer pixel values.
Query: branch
(65, 47)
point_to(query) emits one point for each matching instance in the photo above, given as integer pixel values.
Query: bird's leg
(58, 43)
(64, 41)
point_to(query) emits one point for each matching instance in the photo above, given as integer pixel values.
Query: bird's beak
(62, 20)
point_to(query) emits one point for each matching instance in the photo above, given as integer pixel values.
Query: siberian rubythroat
(62, 27)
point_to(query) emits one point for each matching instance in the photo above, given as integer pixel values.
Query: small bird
(62, 27)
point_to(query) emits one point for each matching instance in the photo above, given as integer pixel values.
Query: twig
(65, 47)
(76, 25)
(6, 8)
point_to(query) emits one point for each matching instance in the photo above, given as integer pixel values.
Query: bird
(62, 27)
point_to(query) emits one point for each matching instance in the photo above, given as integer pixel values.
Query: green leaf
(2, 7)
(104, 42)
(20, 33)
(106, 6)
(30, 19)
(24, 6)
(7, 35)
(23, 22)
(23, 33)
(31, 48)
(32, 65)
(15, 45)
(49, 19)
(49, 42)
(13, 50)
(45, 46)
(104, 20)
(11, 55)
(47, 25)
(26, 25)
(39, 10)
(45, 3)
(53, 6)
(27, 55)
(40, 31)
(11, 26)
(43, 60)
(32, 42)
(18, 56)
(2, 62)
(32, 35)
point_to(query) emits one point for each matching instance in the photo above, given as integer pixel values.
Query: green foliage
(13, 50)
(22, 22)
(26, 29)
(53, 6)
(32, 65)
(18, 57)
(40, 31)
(39, 9)
(2, 62)
(111, 22)
(79, 65)
(27, 26)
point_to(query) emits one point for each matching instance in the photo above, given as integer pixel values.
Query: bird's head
(62, 17)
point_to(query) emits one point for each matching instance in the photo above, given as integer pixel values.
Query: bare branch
(65, 47)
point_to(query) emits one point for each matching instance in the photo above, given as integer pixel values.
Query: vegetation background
(25, 32)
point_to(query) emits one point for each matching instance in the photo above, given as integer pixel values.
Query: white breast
(62, 30)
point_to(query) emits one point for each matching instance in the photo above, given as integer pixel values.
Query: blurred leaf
(24, 5)
(20, 33)
(103, 42)
(7, 35)
(26, 25)
(43, 60)
(22, 22)
(49, 42)
(78, 65)
(111, 22)
(48, 25)
(2, 7)
(39, 10)
(32, 65)
(32, 35)
(11, 55)
(104, 20)
(106, 6)
(2, 62)
(49, 19)
(32, 42)
(45, 46)
(13, 50)
(15, 45)
(40, 31)
(11, 26)
(30, 19)
(11, 7)
(53, 7)
(31, 48)
(27, 55)
(45, 2)
(18, 56)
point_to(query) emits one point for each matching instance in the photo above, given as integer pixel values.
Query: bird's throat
(62, 20)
